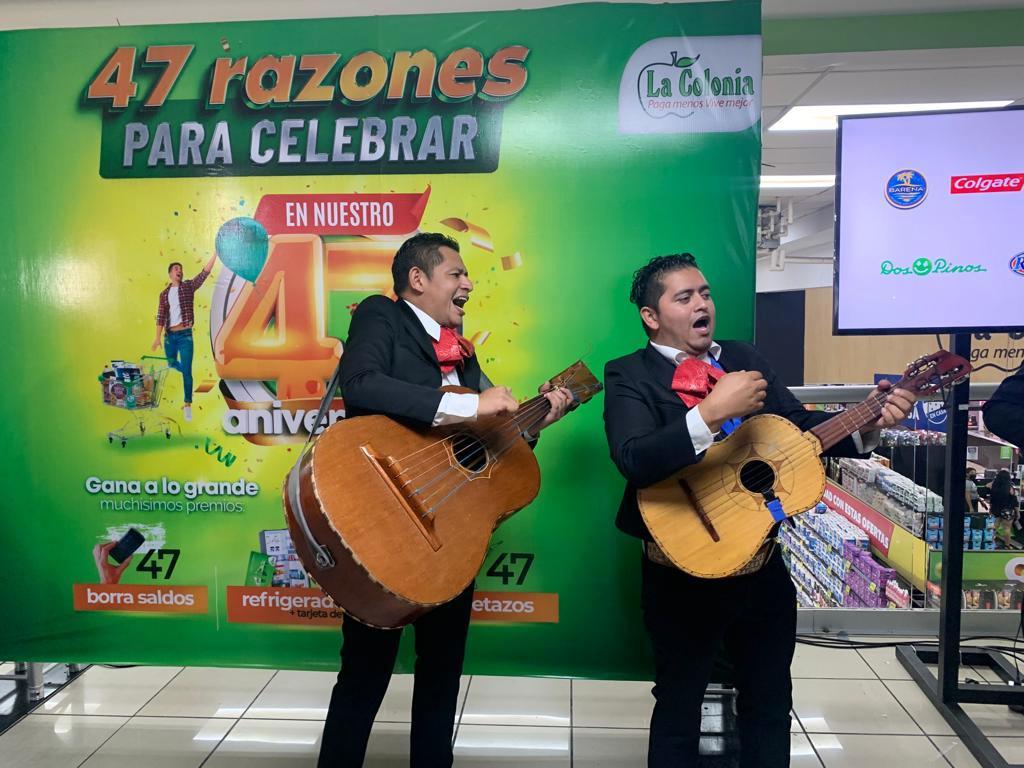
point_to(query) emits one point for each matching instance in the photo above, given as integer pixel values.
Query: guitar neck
(844, 424)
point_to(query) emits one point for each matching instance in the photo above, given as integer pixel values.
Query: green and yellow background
(84, 259)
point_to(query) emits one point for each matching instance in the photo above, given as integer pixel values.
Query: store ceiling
(950, 75)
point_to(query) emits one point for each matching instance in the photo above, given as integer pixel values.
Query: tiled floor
(852, 709)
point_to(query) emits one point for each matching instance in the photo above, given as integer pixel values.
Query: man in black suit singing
(397, 356)
(665, 405)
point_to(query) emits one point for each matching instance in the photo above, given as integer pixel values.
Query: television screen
(930, 223)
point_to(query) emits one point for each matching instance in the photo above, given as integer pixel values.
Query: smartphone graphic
(126, 545)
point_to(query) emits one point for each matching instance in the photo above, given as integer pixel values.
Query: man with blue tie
(665, 404)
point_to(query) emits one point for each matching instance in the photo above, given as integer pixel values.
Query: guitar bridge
(389, 472)
(701, 512)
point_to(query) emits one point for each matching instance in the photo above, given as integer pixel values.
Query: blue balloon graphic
(242, 247)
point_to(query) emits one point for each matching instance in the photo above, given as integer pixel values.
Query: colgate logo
(994, 182)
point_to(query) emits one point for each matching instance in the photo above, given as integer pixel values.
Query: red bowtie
(693, 380)
(451, 349)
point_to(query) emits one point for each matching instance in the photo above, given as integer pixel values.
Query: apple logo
(656, 86)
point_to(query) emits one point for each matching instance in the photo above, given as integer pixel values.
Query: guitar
(712, 517)
(392, 521)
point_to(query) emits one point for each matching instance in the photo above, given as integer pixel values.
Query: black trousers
(367, 661)
(690, 621)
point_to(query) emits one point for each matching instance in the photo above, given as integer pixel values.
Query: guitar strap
(729, 426)
(321, 554)
(773, 505)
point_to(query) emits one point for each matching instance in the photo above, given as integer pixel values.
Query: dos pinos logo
(906, 189)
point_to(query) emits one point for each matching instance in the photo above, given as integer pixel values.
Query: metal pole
(954, 511)
(35, 681)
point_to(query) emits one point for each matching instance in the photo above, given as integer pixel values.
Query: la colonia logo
(906, 189)
(680, 80)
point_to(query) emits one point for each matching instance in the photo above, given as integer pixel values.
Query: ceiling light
(823, 118)
(819, 181)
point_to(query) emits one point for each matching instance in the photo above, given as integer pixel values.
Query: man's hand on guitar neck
(735, 395)
(898, 405)
(561, 400)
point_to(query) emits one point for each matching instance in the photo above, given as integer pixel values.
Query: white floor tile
(294, 695)
(801, 753)
(611, 704)
(913, 699)
(814, 662)
(397, 704)
(7, 668)
(209, 692)
(995, 719)
(858, 751)
(511, 746)
(388, 746)
(955, 752)
(849, 706)
(106, 691)
(794, 723)
(517, 701)
(270, 743)
(161, 742)
(884, 664)
(1011, 749)
(55, 741)
(608, 747)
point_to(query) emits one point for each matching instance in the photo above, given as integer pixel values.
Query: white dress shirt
(703, 437)
(454, 406)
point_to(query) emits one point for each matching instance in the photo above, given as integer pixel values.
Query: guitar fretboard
(854, 419)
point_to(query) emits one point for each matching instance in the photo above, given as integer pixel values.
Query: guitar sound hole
(469, 452)
(757, 477)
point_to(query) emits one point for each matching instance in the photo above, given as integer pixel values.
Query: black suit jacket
(389, 365)
(645, 421)
(1004, 413)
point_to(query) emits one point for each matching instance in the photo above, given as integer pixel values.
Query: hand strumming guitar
(735, 395)
(496, 401)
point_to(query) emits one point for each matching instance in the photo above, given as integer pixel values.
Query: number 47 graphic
(507, 572)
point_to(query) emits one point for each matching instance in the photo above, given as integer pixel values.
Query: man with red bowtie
(665, 405)
(397, 356)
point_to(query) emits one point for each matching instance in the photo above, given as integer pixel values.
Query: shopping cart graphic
(137, 388)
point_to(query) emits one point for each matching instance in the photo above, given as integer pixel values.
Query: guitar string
(443, 439)
(450, 468)
(845, 422)
(445, 464)
(511, 421)
(498, 454)
(845, 419)
(534, 400)
(442, 458)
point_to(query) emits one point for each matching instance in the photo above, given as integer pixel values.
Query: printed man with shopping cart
(175, 317)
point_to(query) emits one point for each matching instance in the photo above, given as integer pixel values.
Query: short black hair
(647, 286)
(172, 265)
(423, 251)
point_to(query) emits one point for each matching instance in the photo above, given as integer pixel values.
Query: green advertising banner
(562, 148)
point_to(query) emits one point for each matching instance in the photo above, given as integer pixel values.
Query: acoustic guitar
(712, 517)
(392, 521)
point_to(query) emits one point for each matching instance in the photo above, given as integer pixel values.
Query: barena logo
(906, 189)
(991, 182)
(691, 85)
(1017, 264)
